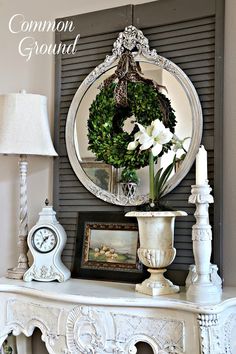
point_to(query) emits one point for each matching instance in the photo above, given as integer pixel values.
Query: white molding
(120, 294)
(169, 324)
(107, 332)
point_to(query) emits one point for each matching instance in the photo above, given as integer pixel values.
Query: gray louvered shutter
(184, 31)
(190, 33)
(97, 36)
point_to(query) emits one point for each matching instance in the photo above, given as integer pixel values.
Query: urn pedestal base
(156, 251)
(157, 284)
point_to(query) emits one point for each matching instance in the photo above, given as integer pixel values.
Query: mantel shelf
(114, 317)
(81, 291)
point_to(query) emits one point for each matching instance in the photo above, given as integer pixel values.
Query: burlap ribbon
(128, 70)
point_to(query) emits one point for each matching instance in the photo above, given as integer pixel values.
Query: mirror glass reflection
(108, 177)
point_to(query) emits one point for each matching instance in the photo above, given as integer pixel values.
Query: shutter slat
(190, 43)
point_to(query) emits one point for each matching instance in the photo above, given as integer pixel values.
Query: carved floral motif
(98, 330)
(130, 39)
(24, 317)
(201, 234)
(44, 272)
(95, 331)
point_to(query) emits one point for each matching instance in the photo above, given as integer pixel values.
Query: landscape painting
(106, 247)
(110, 245)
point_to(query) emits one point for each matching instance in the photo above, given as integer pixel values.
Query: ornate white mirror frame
(130, 39)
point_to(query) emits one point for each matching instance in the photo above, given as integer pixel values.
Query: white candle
(201, 167)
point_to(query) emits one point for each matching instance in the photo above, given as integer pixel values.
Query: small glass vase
(129, 190)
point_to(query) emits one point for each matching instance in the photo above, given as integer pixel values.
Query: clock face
(44, 240)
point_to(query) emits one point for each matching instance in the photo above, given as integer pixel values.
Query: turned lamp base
(16, 273)
(23, 262)
(157, 284)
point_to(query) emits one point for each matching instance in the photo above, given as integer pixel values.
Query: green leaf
(106, 138)
(163, 178)
(156, 182)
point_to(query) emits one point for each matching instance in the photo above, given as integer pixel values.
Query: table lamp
(24, 130)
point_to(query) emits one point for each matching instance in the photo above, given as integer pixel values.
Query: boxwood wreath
(107, 139)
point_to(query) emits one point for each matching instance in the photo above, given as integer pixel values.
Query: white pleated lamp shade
(24, 125)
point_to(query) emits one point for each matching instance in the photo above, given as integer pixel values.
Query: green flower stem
(151, 178)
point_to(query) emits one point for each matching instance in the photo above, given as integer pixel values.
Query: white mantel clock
(46, 241)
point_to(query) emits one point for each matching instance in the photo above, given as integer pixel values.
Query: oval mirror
(103, 180)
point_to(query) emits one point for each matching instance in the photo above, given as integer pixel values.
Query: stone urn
(156, 234)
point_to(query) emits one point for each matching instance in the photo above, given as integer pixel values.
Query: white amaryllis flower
(154, 136)
(179, 144)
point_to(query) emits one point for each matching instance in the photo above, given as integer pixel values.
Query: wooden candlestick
(202, 289)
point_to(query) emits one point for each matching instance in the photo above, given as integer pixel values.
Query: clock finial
(46, 202)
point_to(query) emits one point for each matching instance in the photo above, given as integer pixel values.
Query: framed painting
(106, 247)
(100, 173)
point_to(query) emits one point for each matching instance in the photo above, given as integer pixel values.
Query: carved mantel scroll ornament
(130, 39)
(80, 317)
(23, 317)
(96, 331)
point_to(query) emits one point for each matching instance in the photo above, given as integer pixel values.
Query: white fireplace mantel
(85, 316)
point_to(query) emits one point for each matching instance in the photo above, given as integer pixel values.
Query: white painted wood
(23, 263)
(83, 316)
(47, 266)
(11, 340)
(23, 344)
(202, 289)
(214, 276)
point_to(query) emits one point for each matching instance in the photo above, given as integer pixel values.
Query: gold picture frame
(110, 246)
(106, 248)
